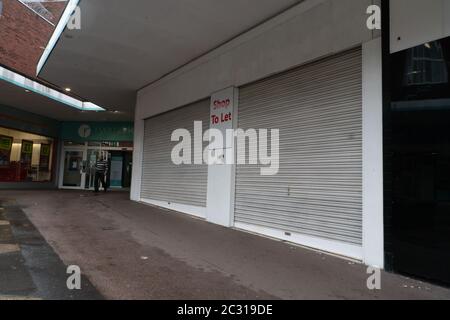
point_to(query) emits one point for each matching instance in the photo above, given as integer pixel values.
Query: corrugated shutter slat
(162, 180)
(318, 191)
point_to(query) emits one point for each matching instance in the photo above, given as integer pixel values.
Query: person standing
(101, 173)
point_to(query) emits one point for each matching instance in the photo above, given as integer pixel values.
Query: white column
(221, 178)
(138, 150)
(373, 228)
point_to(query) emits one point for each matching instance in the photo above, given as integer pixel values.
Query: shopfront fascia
(83, 143)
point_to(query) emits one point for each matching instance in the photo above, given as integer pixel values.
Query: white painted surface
(221, 178)
(136, 181)
(220, 189)
(312, 29)
(123, 46)
(373, 230)
(418, 21)
(193, 211)
(63, 20)
(347, 250)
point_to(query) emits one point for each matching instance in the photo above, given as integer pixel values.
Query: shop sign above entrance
(97, 131)
(84, 131)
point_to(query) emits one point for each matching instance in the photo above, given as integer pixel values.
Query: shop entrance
(119, 173)
(420, 117)
(73, 173)
(78, 169)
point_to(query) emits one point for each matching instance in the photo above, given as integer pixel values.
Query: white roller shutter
(162, 180)
(318, 191)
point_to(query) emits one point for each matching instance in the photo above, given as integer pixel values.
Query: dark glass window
(422, 72)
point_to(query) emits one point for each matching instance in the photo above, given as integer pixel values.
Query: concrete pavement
(29, 267)
(133, 251)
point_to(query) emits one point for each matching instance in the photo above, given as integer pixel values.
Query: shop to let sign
(222, 112)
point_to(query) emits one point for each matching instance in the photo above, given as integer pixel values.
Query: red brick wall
(56, 8)
(23, 37)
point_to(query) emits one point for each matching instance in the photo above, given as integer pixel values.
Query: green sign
(26, 154)
(98, 131)
(44, 159)
(5, 150)
(45, 150)
(6, 143)
(27, 147)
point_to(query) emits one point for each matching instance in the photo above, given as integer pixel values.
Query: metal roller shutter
(318, 191)
(162, 180)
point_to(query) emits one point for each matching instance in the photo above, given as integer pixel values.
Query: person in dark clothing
(101, 172)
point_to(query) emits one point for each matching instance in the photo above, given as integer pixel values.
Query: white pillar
(373, 228)
(135, 193)
(221, 178)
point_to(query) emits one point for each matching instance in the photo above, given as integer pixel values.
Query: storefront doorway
(78, 165)
(73, 173)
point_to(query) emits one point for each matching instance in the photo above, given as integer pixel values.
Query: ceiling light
(68, 89)
(428, 45)
(27, 91)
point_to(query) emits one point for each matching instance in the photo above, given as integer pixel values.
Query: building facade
(25, 32)
(352, 94)
(316, 75)
(334, 89)
(46, 150)
(42, 153)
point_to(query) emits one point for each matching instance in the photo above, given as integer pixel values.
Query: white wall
(138, 150)
(313, 29)
(373, 222)
(414, 22)
(221, 178)
(309, 31)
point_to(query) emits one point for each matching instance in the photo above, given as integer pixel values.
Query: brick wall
(56, 8)
(24, 35)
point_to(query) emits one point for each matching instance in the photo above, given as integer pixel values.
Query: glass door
(92, 156)
(73, 175)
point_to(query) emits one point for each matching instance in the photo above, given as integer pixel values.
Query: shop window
(25, 157)
(425, 65)
(422, 73)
